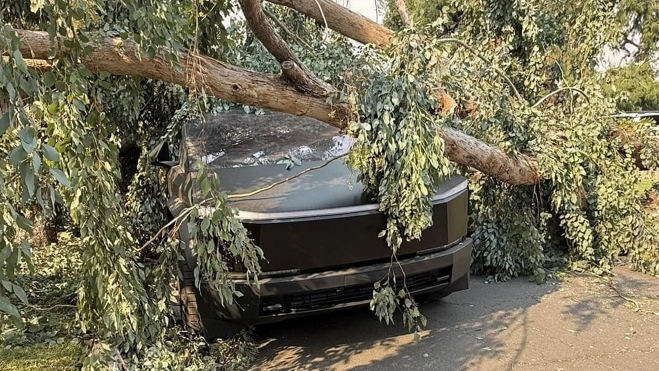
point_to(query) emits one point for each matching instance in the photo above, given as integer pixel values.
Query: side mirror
(160, 156)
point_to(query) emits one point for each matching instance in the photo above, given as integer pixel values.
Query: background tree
(635, 87)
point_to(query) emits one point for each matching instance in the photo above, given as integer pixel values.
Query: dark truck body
(319, 236)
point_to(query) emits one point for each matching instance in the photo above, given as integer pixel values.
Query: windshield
(235, 138)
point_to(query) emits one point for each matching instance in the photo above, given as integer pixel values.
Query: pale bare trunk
(402, 11)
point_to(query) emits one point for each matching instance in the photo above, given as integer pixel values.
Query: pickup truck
(318, 231)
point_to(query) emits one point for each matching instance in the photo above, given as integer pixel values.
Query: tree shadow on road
(592, 297)
(464, 330)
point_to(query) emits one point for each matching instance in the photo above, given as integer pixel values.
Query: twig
(322, 14)
(286, 29)
(628, 41)
(183, 214)
(121, 360)
(558, 91)
(638, 307)
(484, 59)
(174, 222)
(273, 185)
(50, 308)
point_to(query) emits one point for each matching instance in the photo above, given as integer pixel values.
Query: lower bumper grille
(302, 301)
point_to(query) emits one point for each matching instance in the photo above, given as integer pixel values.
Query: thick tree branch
(341, 20)
(516, 170)
(217, 78)
(292, 68)
(271, 92)
(37, 64)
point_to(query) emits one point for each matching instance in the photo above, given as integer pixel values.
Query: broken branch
(290, 33)
(293, 70)
(341, 20)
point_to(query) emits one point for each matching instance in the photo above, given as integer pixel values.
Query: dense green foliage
(524, 68)
(67, 128)
(589, 212)
(51, 338)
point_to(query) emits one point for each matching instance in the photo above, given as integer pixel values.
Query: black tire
(198, 312)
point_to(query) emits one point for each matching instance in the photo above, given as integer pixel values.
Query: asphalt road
(577, 323)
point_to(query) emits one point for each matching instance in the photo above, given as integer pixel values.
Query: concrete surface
(577, 323)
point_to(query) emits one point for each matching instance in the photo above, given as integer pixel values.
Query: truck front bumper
(279, 298)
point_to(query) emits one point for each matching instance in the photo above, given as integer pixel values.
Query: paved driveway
(579, 323)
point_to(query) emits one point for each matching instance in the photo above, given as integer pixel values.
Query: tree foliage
(569, 133)
(520, 73)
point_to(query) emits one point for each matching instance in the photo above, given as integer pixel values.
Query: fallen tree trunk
(219, 79)
(271, 92)
(515, 170)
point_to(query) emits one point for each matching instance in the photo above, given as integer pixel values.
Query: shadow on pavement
(464, 330)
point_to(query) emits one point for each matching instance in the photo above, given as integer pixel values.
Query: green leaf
(28, 179)
(205, 187)
(11, 90)
(53, 108)
(60, 176)
(7, 307)
(20, 293)
(7, 285)
(24, 223)
(50, 153)
(20, 62)
(5, 122)
(36, 161)
(17, 156)
(49, 79)
(27, 137)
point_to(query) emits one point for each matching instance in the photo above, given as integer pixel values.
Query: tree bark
(402, 11)
(515, 170)
(292, 68)
(217, 78)
(341, 20)
(267, 91)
